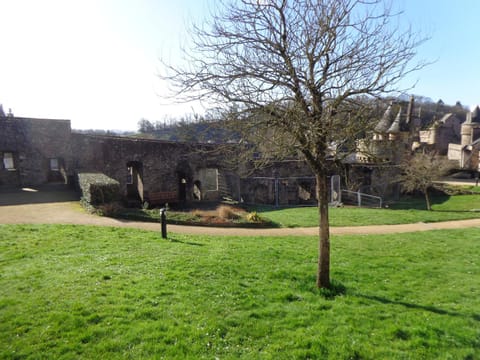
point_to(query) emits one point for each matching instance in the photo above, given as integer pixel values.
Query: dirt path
(62, 207)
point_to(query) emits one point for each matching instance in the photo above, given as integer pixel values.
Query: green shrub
(97, 188)
(109, 209)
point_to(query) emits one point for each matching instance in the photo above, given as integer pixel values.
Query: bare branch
(300, 72)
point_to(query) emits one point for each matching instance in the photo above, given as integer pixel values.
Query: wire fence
(285, 191)
(299, 191)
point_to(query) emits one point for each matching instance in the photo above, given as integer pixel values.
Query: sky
(96, 62)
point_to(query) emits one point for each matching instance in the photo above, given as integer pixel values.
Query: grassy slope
(445, 208)
(84, 292)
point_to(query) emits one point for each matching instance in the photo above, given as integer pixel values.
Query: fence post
(359, 199)
(163, 219)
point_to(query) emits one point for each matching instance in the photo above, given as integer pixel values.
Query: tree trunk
(427, 199)
(323, 272)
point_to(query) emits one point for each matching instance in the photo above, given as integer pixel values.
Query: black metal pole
(163, 219)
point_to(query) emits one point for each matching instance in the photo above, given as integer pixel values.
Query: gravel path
(61, 206)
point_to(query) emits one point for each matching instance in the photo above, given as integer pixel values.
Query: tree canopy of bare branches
(421, 172)
(299, 67)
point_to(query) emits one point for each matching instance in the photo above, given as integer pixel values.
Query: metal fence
(360, 199)
(299, 191)
(285, 191)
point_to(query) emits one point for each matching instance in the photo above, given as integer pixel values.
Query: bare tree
(298, 68)
(421, 172)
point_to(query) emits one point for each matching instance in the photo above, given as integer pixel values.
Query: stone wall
(159, 166)
(45, 150)
(36, 145)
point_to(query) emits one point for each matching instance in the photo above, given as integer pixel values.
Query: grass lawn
(73, 292)
(411, 211)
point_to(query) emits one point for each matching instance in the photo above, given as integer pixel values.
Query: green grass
(74, 292)
(408, 211)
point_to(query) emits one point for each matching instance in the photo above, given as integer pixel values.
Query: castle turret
(395, 128)
(470, 130)
(411, 104)
(384, 124)
(466, 132)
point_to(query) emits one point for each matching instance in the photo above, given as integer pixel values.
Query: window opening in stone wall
(197, 190)
(182, 190)
(304, 191)
(8, 163)
(129, 174)
(209, 177)
(135, 180)
(54, 166)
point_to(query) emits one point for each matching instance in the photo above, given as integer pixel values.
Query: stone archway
(184, 180)
(135, 181)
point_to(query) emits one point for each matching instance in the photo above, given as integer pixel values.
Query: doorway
(135, 180)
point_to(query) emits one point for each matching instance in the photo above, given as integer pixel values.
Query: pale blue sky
(95, 61)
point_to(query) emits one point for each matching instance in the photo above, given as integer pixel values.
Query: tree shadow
(429, 308)
(44, 194)
(308, 283)
(173, 240)
(418, 202)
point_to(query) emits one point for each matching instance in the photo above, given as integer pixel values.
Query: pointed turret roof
(396, 124)
(476, 115)
(385, 122)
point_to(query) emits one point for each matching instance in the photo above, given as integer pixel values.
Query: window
(8, 161)
(209, 178)
(54, 164)
(129, 174)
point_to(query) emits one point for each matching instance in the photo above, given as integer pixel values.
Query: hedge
(98, 188)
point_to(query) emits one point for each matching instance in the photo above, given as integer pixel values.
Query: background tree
(298, 68)
(145, 126)
(421, 172)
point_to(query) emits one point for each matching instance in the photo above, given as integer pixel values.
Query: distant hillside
(200, 130)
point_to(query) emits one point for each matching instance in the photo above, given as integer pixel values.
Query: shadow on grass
(173, 240)
(44, 194)
(418, 203)
(336, 288)
(429, 308)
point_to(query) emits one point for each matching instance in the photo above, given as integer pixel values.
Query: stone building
(442, 133)
(467, 152)
(39, 151)
(34, 151)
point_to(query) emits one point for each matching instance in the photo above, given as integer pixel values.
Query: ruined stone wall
(46, 150)
(163, 166)
(34, 143)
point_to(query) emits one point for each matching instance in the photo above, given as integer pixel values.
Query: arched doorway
(182, 189)
(197, 190)
(135, 181)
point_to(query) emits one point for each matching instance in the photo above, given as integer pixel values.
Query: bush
(97, 188)
(110, 209)
(254, 217)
